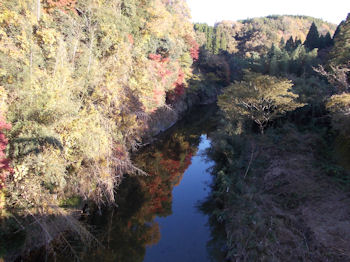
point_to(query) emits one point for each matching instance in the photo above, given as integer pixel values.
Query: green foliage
(340, 53)
(258, 97)
(312, 39)
(338, 105)
(257, 35)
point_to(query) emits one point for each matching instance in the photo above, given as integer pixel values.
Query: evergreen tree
(274, 51)
(312, 39)
(297, 42)
(273, 69)
(217, 41)
(328, 40)
(340, 53)
(284, 62)
(322, 42)
(282, 43)
(223, 42)
(290, 45)
(298, 58)
(209, 34)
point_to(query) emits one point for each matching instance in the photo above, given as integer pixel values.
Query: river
(157, 217)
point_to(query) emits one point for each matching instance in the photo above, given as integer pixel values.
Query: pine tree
(290, 45)
(328, 40)
(284, 62)
(210, 36)
(340, 53)
(297, 42)
(274, 51)
(223, 43)
(273, 69)
(217, 40)
(312, 39)
(282, 43)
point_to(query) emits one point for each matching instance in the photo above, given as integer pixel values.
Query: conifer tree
(297, 42)
(223, 42)
(284, 61)
(290, 45)
(328, 40)
(312, 39)
(210, 38)
(340, 53)
(217, 41)
(282, 43)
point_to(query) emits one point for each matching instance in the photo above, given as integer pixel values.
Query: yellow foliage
(77, 86)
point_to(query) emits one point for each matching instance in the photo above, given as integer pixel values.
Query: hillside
(256, 35)
(79, 81)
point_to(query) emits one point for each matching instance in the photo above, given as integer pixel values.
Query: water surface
(184, 233)
(156, 218)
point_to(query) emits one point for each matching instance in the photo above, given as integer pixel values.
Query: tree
(338, 106)
(223, 42)
(217, 40)
(340, 53)
(274, 55)
(297, 42)
(282, 43)
(258, 97)
(284, 62)
(290, 45)
(312, 39)
(328, 40)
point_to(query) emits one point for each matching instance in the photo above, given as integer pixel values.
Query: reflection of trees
(127, 230)
(166, 163)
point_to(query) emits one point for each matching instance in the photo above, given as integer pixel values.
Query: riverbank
(127, 228)
(277, 200)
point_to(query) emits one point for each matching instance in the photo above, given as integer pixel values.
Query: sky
(211, 11)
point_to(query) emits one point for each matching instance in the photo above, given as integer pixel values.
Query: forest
(281, 178)
(85, 84)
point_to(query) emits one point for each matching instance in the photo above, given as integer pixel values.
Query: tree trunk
(38, 10)
(261, 129)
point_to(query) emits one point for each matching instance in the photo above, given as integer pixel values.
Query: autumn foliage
(5, 168)
(84, 78)
(63, 5)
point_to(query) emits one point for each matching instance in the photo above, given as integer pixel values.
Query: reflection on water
(184, 233)
(157, 218)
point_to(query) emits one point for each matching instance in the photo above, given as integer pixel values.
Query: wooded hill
(79, 81)
(256, 36)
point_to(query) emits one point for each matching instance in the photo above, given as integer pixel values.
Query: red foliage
(163, 178)
(179, 89)
(161, 67)
(131, 39)
(194, 47)
(64, 5)
(158, 94)
(180, 78)
(195, 51)
(5, 168)
(155, 57)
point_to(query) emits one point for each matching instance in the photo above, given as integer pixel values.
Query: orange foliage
(194, 47)
(131, 39)
(179, 89)
(63, 5)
